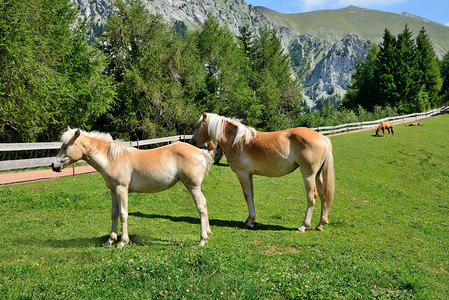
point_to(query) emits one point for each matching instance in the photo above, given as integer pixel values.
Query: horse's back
(159, 169)
(281, 152)
(309, 145)
(386, 124)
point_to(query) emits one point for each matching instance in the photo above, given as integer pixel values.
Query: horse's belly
(274, 169)
(143, 184)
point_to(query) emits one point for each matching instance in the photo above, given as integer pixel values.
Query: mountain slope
(334, 25)
(324, 45)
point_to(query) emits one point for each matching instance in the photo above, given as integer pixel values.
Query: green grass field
(388, 234)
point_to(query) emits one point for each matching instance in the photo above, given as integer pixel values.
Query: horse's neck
(95, 153)
(227, 139)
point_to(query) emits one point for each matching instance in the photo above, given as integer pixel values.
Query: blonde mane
(217, 123)
(116, 147)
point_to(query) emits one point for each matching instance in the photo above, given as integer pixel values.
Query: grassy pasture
(388, 236)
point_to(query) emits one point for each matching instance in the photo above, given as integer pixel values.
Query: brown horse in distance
(414, 124)
(385, 126)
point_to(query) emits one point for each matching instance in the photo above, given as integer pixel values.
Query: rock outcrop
(324, 66)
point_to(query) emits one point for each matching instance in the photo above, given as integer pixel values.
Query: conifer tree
(404, 74)
(385, 72)
(429, 71)
(407, 78)
(226, 90)
(155, 72)
(362, 90)
(246, 37)
(272, 82)
(444, 93)
(49, 76)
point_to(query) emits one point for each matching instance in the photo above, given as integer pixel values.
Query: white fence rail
(45, 161)
(372, 124)
(41, 162)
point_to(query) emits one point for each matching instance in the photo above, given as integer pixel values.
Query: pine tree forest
(144, 78)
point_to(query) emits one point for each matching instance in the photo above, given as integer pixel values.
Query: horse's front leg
(246, 181)
(114, 217)
(122, 201)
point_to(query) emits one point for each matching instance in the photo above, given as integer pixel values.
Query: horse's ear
(204, 116)
(68, 128)
(77, 134)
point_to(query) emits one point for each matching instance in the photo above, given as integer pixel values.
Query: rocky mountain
(324, 45)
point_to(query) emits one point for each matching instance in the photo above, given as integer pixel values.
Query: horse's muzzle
(56, 168)
(192, 141)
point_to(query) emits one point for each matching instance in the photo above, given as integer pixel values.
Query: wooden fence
(360, 126)
(41, 162)
(46, 161)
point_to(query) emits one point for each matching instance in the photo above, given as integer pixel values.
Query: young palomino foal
(126, 170)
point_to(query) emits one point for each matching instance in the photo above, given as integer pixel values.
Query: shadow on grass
(138, 240)
(212, 222)
(141, 240)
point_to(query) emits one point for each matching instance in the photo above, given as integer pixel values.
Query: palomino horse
(215, 151)
(126, 169)
(414, 124)
(273, 154)
(385, 125)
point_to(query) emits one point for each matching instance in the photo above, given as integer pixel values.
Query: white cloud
(308, 5)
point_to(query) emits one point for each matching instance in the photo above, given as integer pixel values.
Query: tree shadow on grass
(212, 222)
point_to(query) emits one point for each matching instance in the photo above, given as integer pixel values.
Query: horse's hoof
(249, 226)
(202, 243)
(122, 244)
(108, 243)
(301, 229)
(319, 228)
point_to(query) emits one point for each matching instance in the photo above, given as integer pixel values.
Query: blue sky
(434, 10)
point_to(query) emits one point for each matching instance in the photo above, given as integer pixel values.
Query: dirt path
(28, 176)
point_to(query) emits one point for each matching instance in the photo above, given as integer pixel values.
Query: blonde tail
(208, 160)
(326, 185)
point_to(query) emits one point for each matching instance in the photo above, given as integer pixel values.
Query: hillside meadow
(336, 24)
(387, 238)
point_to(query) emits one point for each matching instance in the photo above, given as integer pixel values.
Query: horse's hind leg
(114, 218)
(201, 205)
(309, 183)
(326, 203)
(246, 181)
